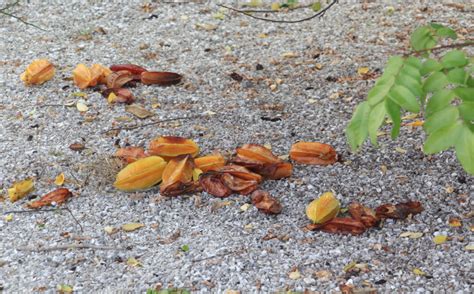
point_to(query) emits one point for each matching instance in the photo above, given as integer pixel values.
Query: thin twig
(75, 219)
(66, 247)
(458, 45)
(151, 123)
(4, 12)
(33, 211)
(273, 11)
(319, 14)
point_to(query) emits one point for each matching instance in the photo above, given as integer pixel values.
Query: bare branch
(4, 12)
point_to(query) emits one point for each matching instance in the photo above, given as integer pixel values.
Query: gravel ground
(226, 245)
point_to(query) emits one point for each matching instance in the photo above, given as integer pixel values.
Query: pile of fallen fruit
(173, 162)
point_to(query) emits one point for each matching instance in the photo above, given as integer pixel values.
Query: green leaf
(442, 139)
(441, 119)
(377, 94)
(405, 98)
(413, 85)
(185, 248)
(385, 80)
(430, 65)
(466, 94)
(393, 66)
(464, 150)
(466, 111)
(443, 31)
(376, 118)
(420, 38)
(413, 61)
(435, 82)
(457, 76)
(357, 130)
(393, 110)
(439, 100)
(454, 58)
(316, 6)
(411, 71)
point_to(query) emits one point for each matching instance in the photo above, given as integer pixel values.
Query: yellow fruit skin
(323, 209)
(141, 174)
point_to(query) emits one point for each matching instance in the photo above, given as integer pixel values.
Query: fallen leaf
(275, 6)
(295, 275)
(138, 111)
(20, 189)
(289, 55)
(362, 70)
(133, 262)
(399, 211)
(418, 272)
(56, 197)
(323, 275)
(206, 26)
(132, 227)
(245, 207)
(469, 247)
(64, 288)
(266, 203)
(416, 123)
(400, 150)
(110, 230)
(81, 106)
(59, 180)
(440, 239)
(9, 217)
(455, 222)
(411, 235)
(77, 147)
(218, 15)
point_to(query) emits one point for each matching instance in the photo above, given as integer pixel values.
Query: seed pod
(38, 72)
(323, 209)
(313, 153)
(141, 174)
(57, 196)
(133, 68)
(178, 176)
(160, 78)
(209, 162)
(169, 147)
(118, 78)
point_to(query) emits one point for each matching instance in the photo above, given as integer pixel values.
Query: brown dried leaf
(213, 184)
(313, 153)
(77, 147)
(399, 211)
(138, 111)
(130, 154)
(57, 196)
(266, 203)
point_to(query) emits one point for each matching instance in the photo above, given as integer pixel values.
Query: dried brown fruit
(313, 153)
(399, 211)
(38, 72)
(118, 78)
(160, 78)
(141, 174)
(323, 209)
(178, 176)
(130, 154)
(239, 185)
(240, 172)
(57, 196)
(209, 162)
(133, 68)
(266, 203)
(122, 95)
(262, 161)
(342, 225)
(213, 184)
(169, 147)
(363, 214)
